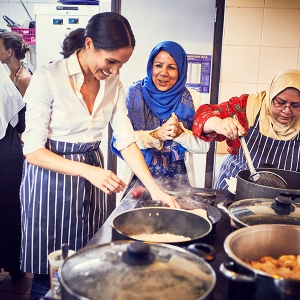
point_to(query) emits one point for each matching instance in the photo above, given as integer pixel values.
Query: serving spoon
(264, 178)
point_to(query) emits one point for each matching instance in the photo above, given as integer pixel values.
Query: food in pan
(286, 266)
(160, 237)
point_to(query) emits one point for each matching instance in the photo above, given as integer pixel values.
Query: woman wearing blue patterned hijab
(161, 110)
(164, 103)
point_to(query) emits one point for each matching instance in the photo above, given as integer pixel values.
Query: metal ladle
(264, 178)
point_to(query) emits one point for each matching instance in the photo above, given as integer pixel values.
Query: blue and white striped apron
(59, 208)
(263, 150)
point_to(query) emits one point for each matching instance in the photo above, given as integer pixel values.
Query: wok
(161, 220)
(213, 214)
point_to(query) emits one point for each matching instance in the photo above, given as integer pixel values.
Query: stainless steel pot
(246, 189)
(252, 243)
(134, 271)
(249, 212)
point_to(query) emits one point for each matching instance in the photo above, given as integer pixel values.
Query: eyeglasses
(282, 105)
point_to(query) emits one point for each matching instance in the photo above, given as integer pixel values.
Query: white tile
(235, 89)
(4, 11)
(263, 87)
(30, 8)
(243, 26)
(282, 3)
(240, 63)
(281, 28)
(245, 3)
(17, 14)
(275, 59)
(298, 65)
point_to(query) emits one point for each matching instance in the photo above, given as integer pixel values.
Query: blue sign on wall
(198, 76)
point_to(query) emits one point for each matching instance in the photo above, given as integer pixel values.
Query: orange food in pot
(286, 266)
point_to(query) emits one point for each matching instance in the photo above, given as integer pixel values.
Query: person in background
(161, 110)
(69, 104)
(269, 120)
(12, 123)
(12, 51)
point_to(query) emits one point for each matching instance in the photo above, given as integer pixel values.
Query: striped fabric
(263, 150)
(59, 208)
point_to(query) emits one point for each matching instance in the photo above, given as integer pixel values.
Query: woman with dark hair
(13, 50)
(69, 104)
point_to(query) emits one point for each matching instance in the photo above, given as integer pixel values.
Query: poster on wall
(198, 75)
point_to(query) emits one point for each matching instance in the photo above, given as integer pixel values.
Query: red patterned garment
(236, 105)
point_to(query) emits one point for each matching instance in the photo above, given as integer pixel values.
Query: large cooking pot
(128, 270)
(156, 221)
(249, 212)
(252, 243)
(246, 189)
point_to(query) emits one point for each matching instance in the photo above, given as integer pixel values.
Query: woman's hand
(105, 180)
(228, 127)
(166, 199)
(169, 130)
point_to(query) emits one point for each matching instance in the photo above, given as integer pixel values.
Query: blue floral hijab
(162, 104)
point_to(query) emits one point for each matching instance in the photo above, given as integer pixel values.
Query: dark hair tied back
(110, 31)
(13, 40)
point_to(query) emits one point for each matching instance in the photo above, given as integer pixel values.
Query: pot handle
(205, 251)
(223, 206)
(233, 276)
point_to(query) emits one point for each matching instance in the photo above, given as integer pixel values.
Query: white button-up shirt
(56, 110)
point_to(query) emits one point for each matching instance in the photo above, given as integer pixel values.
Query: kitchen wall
(261, 37)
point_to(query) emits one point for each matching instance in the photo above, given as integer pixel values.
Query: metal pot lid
(136, 270)
(281, 210)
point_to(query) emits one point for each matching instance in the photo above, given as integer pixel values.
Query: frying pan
(264, 178)
(213, 214)
(160, 220)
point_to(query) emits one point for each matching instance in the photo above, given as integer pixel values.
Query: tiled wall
(15, 10)
(261, 37)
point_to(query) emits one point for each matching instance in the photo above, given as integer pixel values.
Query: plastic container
(28, 34)
(55, 262)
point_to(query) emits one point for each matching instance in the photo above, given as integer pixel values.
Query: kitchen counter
(220, 231)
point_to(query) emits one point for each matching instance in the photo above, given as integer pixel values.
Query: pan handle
(205, 251)
(233, 276)
(223, 206)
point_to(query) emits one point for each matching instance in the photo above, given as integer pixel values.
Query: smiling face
(286, 115)
(101, 63)
(164, 71)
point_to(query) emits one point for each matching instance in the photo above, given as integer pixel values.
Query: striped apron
(263, 150)
(59, 208)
